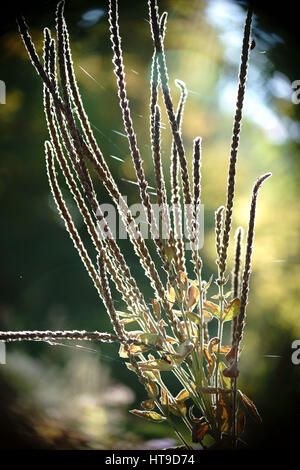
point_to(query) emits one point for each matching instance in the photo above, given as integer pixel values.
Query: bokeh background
(63, 396)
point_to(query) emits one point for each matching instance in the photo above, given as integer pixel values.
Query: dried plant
(173, 336)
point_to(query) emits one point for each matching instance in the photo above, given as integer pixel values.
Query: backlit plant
(173, 334)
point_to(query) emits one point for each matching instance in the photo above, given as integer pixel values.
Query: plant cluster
(171, 336)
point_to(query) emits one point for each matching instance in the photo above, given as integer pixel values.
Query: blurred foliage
(43, 283)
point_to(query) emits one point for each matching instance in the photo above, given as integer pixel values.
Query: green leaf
(148, 415)
(126, 314)
(197, 319)
(227, 294)
(232, 310)
(207, 285)
(226, 381)
(149, 338)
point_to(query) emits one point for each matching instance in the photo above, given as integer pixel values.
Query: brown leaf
(158, 364)
(193, 418)
(171, 295)
(164, 397)
(156, 309)
(231, 354)
(182, 281)
(198, 432)
(178, 409)
(249, 406)
(241, 421)
(192, 298)
(149, 415)
(152, 389)
(232, 371)
(148, 405)
(135, 349)
(210, 360)
(211, 308)
(223, 349)
(223, 412)
(183, 395)
(213, 342)
(212, 390)
(171, 340)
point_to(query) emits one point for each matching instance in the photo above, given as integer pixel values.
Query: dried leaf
(152, 389)
(223, 412)
(171, 340)
(171, 294)
(148, 405)
(149, 415)
(241, 421)
(212, 390)
(207, 285)
(192, 298)
(212, 308)
(122, 352)
(126, 321)
(134, 333)
(159, 364)
(182, 281)
(178, 409)
(223, 349)
(183, 395)
(150, 339)
(148, 374)
(193, 418)
(207, 317)
(183, 350)
(213, 342)
(177, 312)
(231, 354)
(156, 309)
(232, 310)
(138, 349)
(249, 406)
(199, 430)
(193, 331)
(126, 314)
(164, 400)
(232, 370)
(210, 361)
